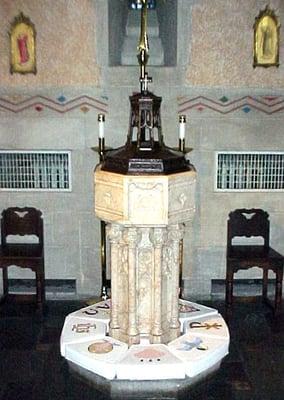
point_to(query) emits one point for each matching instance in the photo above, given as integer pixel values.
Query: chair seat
(15, 251)
(254, 253)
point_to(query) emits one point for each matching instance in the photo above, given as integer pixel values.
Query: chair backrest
(21, 221)
(248, 223)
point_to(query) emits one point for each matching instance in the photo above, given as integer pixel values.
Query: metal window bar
(250, 171)
(35, 170)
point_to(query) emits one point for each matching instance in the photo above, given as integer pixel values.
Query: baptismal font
(144, 194)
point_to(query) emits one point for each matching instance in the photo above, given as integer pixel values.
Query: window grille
(250, 171)
(35, 170)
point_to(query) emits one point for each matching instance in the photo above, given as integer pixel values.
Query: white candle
(182, 121)
(101, 120)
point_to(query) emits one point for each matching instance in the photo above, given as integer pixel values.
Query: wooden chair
(23, 253)
(252, 223)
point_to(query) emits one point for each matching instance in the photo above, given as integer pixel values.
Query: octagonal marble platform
(203, 343)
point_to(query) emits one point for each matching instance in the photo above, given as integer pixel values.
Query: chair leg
(229, 287)
(40, 288)
(278, 291)
(264, 284)
(5, 282)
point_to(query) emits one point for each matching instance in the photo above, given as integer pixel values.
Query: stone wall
(65, 51)
(222, 43)
(213, 83)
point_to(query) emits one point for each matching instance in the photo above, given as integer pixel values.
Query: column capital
(176, 232)
(158, 236)
(132, 236)
(114, 232)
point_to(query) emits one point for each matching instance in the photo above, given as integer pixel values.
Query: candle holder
(101, 150)
(181, 141)
(184, 150)
(182, 122)
(181, 145)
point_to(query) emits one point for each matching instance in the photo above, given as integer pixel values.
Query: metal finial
(143, 48)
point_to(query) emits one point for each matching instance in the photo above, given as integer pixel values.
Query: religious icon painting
(22, 42)
(266, 39)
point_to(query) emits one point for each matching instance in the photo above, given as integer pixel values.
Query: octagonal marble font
(202, 344)
(154, 200)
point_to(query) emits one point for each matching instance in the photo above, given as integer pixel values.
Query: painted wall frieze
(267, 104)
(61, 104)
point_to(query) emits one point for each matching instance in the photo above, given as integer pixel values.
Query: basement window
(35, 170)
(249, 171)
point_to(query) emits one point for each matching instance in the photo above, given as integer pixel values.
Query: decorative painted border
(60, 105)
(265, 104)
(268, 104)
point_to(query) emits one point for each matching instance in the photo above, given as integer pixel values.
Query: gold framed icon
(266, 39)
(22, 41)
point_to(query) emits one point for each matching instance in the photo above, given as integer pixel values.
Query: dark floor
(31, 366)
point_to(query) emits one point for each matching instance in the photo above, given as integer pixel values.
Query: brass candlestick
(101, 149)
(181, 147)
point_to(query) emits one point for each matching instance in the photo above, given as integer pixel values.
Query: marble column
(158, 239)
(175, 234)
(114, 234)
(132, 238)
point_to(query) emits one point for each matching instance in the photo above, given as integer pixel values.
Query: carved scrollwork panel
(146, 203)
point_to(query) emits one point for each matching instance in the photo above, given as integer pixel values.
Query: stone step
(129, 52)
(133, 24)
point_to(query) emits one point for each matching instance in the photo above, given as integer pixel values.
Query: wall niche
(124, 32)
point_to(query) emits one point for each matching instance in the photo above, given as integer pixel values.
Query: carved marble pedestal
(145, 216)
